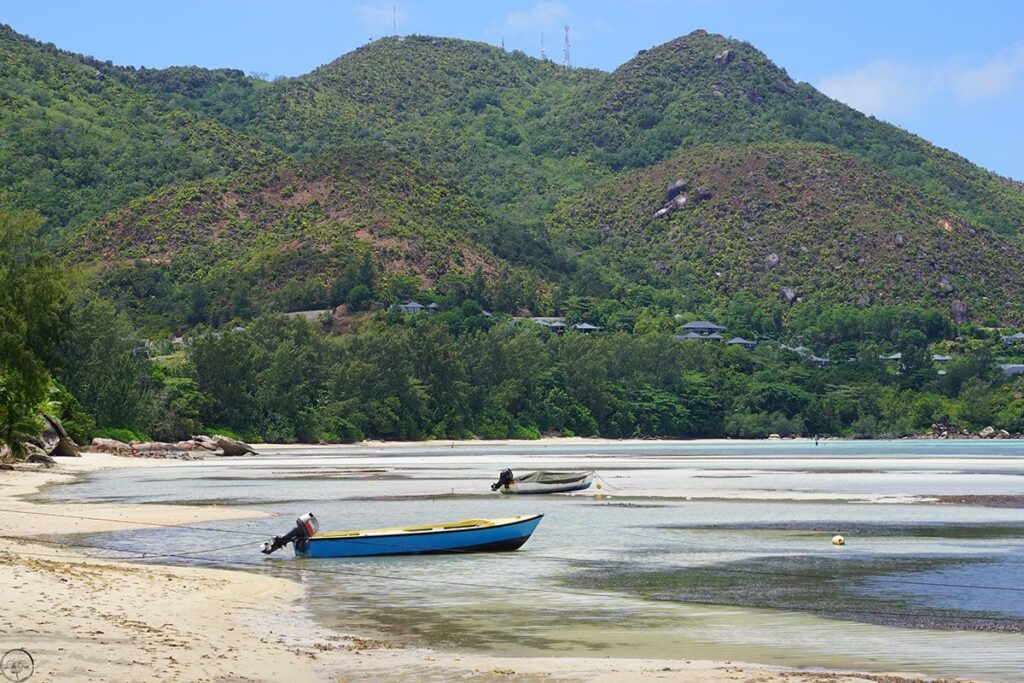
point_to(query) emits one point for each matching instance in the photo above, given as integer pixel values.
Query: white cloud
(880, 88)
(542, 15)
(380, 16)
(995, 77)
(885, 88)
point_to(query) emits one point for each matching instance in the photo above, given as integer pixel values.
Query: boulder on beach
(205, 443)
(112, 446)
(233, 446)
(153, 446)
(193, 445)
(57, 442)
(38, 455)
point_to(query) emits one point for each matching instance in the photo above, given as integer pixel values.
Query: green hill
(791, 220)
(707, 89)
(75, 143)
(468, 155)
(292, 236)
(519, 133)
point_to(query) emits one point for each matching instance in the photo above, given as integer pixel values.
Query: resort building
(703, 327)
(740, 341)
(411, 307)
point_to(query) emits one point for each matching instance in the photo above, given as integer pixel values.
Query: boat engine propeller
(504, 479)
(305, 526)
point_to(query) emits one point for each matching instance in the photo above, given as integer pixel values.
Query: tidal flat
(687, 551)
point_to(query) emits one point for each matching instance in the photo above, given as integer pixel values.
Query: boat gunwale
(423, 530)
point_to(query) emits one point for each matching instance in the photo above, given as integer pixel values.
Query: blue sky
(948, 71)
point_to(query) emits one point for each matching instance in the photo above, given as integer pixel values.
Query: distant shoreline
(546, 441)
(600, 441)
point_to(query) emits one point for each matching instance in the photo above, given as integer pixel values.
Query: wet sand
(87, 619)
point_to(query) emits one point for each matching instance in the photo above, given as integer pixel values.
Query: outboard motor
(305, 526)
(504, 479)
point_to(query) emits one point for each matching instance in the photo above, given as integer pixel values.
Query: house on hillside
(818, 361)
(433, 308)
(898, 356)
(411, 307)
(586, 328)
(939, 358)
(693, 336)
(551, 324)
(700, 330)
(703, 327)
(1009, 369)
(1017, 338)
(740, 341)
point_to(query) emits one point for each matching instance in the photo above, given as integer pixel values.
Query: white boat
(543, 481)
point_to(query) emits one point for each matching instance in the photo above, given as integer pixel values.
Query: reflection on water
(921, 585)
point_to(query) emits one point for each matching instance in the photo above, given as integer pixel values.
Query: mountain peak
(700, 50)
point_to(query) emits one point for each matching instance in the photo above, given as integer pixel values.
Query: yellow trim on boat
(420, 528)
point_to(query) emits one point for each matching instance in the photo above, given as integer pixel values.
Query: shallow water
(692, 551)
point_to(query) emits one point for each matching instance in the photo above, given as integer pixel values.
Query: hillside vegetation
(292, 236)
(704, 88)
(791, 221)
(520, 133)
(75, 144)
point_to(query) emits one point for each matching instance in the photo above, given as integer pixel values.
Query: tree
(103, 363)
(31, 300)
(915, 364)
(359, 297)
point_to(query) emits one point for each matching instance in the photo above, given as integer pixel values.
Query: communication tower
(565, 50)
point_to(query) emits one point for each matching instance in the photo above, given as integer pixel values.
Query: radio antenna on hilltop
(565, 50)
(543, 55)
(394, 19)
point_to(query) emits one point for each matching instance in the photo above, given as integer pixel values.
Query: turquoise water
(688, 551)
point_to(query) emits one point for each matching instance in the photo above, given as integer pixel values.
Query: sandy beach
(86, 619)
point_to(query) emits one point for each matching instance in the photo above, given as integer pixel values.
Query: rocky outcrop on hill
(804, 221)
(676, 197)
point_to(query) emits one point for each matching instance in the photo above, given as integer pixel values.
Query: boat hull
(529, 488)
(496, 536)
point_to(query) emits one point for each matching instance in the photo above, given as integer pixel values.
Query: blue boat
(467, 536)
